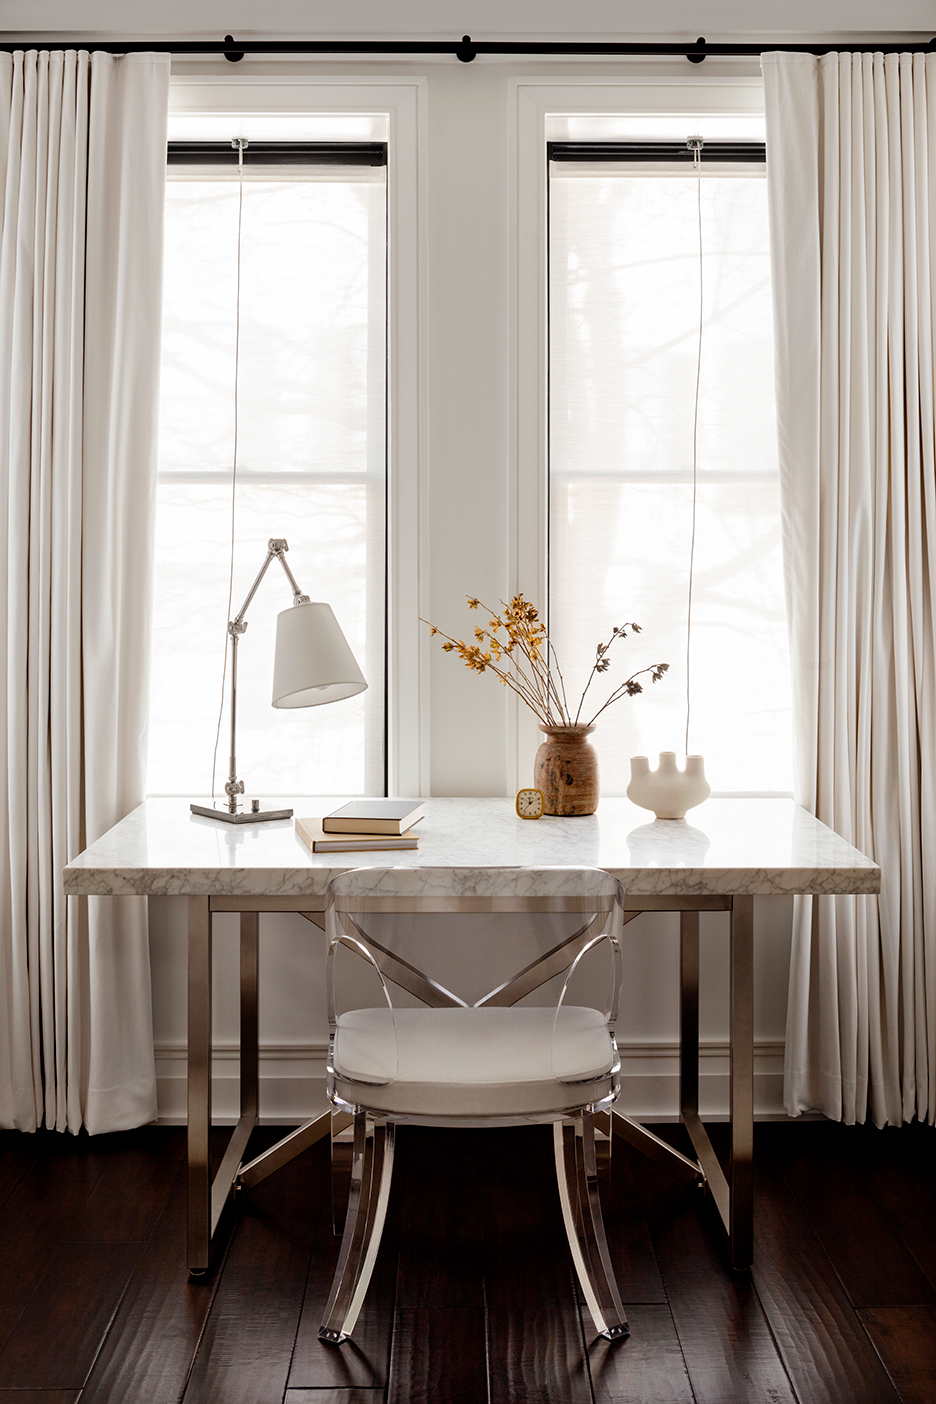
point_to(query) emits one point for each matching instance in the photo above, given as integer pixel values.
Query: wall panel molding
(292, 1080)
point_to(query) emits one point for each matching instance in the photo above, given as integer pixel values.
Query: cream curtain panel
(851, 142)
(82, 172)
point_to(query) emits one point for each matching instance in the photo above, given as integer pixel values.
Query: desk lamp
(313, 664)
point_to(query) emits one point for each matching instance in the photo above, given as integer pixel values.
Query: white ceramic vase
(668, 791)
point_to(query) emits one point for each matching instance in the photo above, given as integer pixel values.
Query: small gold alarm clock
(531, 804)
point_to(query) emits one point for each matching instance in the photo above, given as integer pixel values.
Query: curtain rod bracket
(232, 54)
(696, 56)
(466, 51)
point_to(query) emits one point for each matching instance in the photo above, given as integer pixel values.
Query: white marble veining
(759, 846)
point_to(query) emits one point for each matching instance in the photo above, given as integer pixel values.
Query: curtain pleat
(852, 192)
(82, 166)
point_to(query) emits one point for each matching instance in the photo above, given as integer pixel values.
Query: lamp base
(249, 816)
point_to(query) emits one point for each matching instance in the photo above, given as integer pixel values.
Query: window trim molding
(402, 102)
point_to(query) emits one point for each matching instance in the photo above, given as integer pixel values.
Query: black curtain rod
(466, 49)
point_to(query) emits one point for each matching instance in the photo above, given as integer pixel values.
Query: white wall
(480, 18)
(466, 456)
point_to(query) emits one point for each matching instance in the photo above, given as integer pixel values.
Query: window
(311, 456)
(624, 291)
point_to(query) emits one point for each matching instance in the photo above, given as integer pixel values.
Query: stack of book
(363, 824)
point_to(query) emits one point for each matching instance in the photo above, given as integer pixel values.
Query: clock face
(530, 803)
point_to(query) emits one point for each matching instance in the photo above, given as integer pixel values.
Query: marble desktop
(758, 846)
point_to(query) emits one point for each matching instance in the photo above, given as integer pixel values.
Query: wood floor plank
(129, 1196)
(55, 1341)
(647, 1368)
(726, 1342)
(905, 1339)
(632, 1255)
(536, 1347)
(824, 1346)
(152, 1341)
(488, 1206)
(42, 1208)
(823, 1168)
(19, 1151)
(39, 1396)
(333, 1396)
(438, 1354)
(8, 1319)
(907, 1195)
(245, 1351)
(449, 1179)
(891, 1147)
(363, 1362)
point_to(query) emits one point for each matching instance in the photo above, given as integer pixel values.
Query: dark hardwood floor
(473, 1298)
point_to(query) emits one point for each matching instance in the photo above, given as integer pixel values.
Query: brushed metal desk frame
(731, 1193)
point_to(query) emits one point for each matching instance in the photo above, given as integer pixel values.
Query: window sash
(616, 480)
(267, 738)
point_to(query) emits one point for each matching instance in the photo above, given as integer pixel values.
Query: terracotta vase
(566, 770)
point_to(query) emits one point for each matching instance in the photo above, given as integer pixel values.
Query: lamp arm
(298, 597)
(276, 548)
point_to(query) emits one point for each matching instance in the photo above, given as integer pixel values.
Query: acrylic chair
(485, 1063)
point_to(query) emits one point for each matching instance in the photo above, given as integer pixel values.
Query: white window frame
(534, 101)
(402, 102)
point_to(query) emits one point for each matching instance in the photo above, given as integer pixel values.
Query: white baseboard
(292, 1078)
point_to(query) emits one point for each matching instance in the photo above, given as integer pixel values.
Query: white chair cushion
(473, 1062)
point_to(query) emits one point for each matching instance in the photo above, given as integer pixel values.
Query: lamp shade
(313, 662)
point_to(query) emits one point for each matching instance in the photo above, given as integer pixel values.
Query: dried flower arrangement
(516, 647)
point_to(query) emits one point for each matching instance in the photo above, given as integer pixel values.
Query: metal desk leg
(690, 1171)
(226, 1177)
(199, 1084)
(710, 1169)
(741, 1224)
(249, 996)
(689, 1013)
(733, 1194)
(297, 1141)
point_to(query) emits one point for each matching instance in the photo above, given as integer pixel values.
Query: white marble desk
(758, 847)
(730, 852)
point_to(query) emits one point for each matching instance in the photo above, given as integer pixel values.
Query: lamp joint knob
(277, 545)
(234, 787)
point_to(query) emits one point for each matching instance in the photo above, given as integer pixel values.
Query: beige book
(312, 833)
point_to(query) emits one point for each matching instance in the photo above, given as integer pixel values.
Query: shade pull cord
(240, 144)
(695, 146)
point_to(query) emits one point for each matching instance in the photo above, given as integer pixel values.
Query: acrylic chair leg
(341, 1152)
(371, 1169)
(576, 1171)
(604, 1144)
